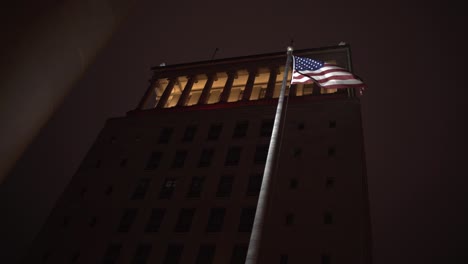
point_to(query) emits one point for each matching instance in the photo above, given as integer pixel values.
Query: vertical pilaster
(271, 82)
(154, 83)
(292, 90)
(249, 85)
(315, 89)
(186, 92)
(206, 89)
(167, 92)
(227, 87)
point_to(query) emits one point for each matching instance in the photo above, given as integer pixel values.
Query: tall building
(177, 180)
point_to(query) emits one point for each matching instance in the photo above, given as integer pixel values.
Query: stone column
(167, 92)
(227, 87)
(249, 85)
(206, 89)
(271, 82)
(292, 90)
(186, 92)
(154, 83)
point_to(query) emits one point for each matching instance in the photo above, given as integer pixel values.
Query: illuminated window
(216, 220)
(155, 220)
(142, 253)
(205, 254)
(184, 221)
(128, 217)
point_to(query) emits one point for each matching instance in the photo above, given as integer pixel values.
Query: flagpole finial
(290, 49)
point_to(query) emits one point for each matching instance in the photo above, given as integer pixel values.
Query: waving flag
(326, 75)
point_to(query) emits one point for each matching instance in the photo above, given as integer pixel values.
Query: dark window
(297, 152)
(123, 162)
(140, 190)
(331, 151)
(155, 220)
(75, 257)
(66, 221)
(46, 256)
(98, 164)
(266, 128)
(167, 188)
(184, 221)
(215, 131)
(165, 135)
(206, 157)
(179, 159)
(246, 219)
(113, 140)
(255, 183)
(261, 153)
(83, 192)
(332, 124)
(293, 183)
(233, 156)
(289, 219)
(127, 219)
(112, 253)
(189, 133)
(329, 182)
(240, 130)
(154, 160)
(328, 218)
(300, 126)
(92, 221)
(326, 259)
(173, 254)
(284, 259)
(109, 190)
(239, 254)
(196, 187)
(225, 186)
(216, 220)
(205, 254)
(142, 253)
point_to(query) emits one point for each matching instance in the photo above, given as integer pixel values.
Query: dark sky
(411, 55)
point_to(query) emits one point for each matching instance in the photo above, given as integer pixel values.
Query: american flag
(326, 75)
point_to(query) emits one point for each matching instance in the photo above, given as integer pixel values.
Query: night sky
(411, 55)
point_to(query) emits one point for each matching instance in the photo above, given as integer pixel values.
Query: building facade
(177, 179)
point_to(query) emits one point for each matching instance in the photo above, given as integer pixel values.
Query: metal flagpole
(257, 228)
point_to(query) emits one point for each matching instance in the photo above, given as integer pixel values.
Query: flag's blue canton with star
(303, 64)
(326, 75)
